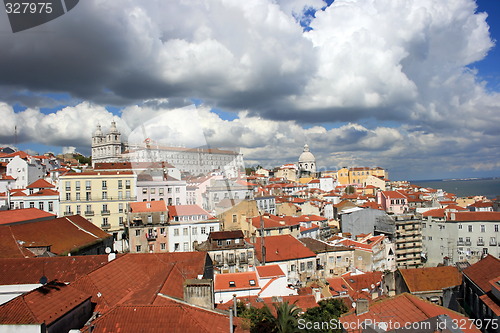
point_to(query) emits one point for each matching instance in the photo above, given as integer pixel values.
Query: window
(302, 266)
(120, 208)
(232, 284)
(32, 205)
(470, 228)
(194, 231)
(467, 239)
(483, 228)
(177, 201)
(104, 195)
(460, 227)
(138, 232)
(176, 247)
(496, 227)
(161, 191)
(162, 231)
(163, 246)
(40, 205)
(309, 265)
(127, 195)
(77, 185)
(153, 190)
(176, 232)
(68, 186)
(127, 184)
(212, 229)
(78, 209)
(120, 195)
(68, 196)
(120, 184)
(184, 231)
(104, 184)
(235, 218)
(120, 220)
(169, 190)
(105, 221)
(177, 190)
(89, 208)
(430, 238)
(252, 282)
(51, 206)
(186, 246)
(87, 185)
(87, 196)
(144, 190)
(138, 248)
(292, 268)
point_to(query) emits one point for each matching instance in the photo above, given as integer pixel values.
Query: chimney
(362, 306)
(199, 292)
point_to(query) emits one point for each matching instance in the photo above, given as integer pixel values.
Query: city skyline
(411, 87)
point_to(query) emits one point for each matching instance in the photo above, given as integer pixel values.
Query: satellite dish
(43, 280)
(372, 286)
(354, 305)
(107, 250)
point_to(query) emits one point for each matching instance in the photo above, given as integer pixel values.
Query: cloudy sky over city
(412, 85)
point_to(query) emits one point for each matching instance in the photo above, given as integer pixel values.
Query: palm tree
(286, 318)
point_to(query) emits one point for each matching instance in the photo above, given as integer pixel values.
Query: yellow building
(102, 197)
(236, 217)
(358, 175)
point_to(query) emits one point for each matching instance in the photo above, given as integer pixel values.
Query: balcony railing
(105, 226)
(460, 243)
(105, 212)
(480, 243)
(493, 243)
(108, 198)
(152, 236)
(66, 213)
(467, 243)
(89, 213)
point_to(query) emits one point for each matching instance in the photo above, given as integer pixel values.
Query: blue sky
(410, 86)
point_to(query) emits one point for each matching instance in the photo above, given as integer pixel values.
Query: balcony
(480, 243)
(493, 243)
(66, 213)
(467, 243)
(105, 226)
(89, 213)
(218, 263)
(243, 260)
(152, 236)
(460, 243)
(105, 212)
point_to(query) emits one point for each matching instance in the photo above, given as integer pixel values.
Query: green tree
(327, 311)
(350, 189)
(286, 318)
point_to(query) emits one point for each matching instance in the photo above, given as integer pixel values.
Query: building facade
(101, 197)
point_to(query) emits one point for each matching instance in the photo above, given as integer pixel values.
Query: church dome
(306, 156)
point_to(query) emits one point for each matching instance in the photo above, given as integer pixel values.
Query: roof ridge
(28, 307)
(15, 241)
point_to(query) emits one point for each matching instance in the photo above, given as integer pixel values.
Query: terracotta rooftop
(45, 192)
(269, 271)
(40, 183)
(23, 215)
(63, 269)
(229, 234)
(137, 278)
(98, 173)
(63, 235)
(282, 248)
(431, 278)
(319, 247)
(483, 271)
(184, 210)
(402, 309)
(236, 281)
(148, 206)
(474, 216)
(167, 315)
(45, 304)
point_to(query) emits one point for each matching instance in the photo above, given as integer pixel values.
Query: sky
(412, 86)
